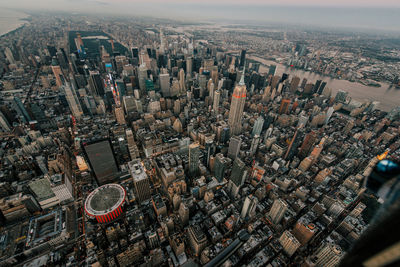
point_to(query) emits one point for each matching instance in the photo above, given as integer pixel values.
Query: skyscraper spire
(237, 107)
(242, 78)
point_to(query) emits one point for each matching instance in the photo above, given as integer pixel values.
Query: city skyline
(129, 140)
(341, 15)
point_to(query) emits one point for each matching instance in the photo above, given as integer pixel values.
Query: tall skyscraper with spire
(237, 106)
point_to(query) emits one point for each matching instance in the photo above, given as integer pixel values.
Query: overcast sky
(367, 14)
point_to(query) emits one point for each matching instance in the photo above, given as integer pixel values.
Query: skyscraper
(72, 99)
(21, 110)
(258, 126)
(238, 174)
(237, 106)
(249, 206)
(164, 84)
(284, 107)
(96, 84)
(254, 144)
(194, 154)
(142, 76)
(242, 57)
(5, 126)
(321, 88)
(9, 55)
(182, 81)
(220, 165)
(316, 86)
(189, 65)
(289, 243)
(294, 84)
(328, 255)
(140, 180)
(234, 147)
(294, 144)
(216, 101)
(101, 160)
(119, 115)
(329, 114)
(307, 144)
(272, 70)
(135, 52)
(277, 211)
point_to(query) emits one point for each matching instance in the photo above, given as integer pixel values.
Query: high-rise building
(72, 99)
(21, 110)
(284, 107)
(234, 147)
(294, 84)
(242, 57)
(182, 84)
(142, 77)
(272, 70)
(249, 207)
(189, 65)
(316, 86)
(289, 243)
(183, 213)
(119, 115)
(197, 239)
(303, 83)
(5, 126)
(328, 255)
(307, 144)
(275, 81)
(220, 165)
(304, 232)
(132, 147)
(321, 88)
(177, 125)
(258, 126)
(140, 180)
(294, 144)
(329, 113)
(254, 144)
(9, 55)
(216, 101)
(237, 178)
(237, 106)
(135, 52)
(214, 74)
(101, 160)
(239, 172)
(194, 154)
(277, 211)
(210, 150)
(96, 84)
(322, 175)
(317, 150)
(164, 84)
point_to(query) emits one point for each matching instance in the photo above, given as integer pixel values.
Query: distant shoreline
(14, 30)
(22, 21)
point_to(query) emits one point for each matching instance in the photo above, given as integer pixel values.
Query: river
(10, 20)
(389, 98)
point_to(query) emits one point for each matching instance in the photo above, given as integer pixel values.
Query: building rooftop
(104, 199)
(137, 171)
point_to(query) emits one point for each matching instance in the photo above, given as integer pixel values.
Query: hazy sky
(75, 4)
(367, 14)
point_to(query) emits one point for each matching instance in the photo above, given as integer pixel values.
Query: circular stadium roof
(105, 199)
